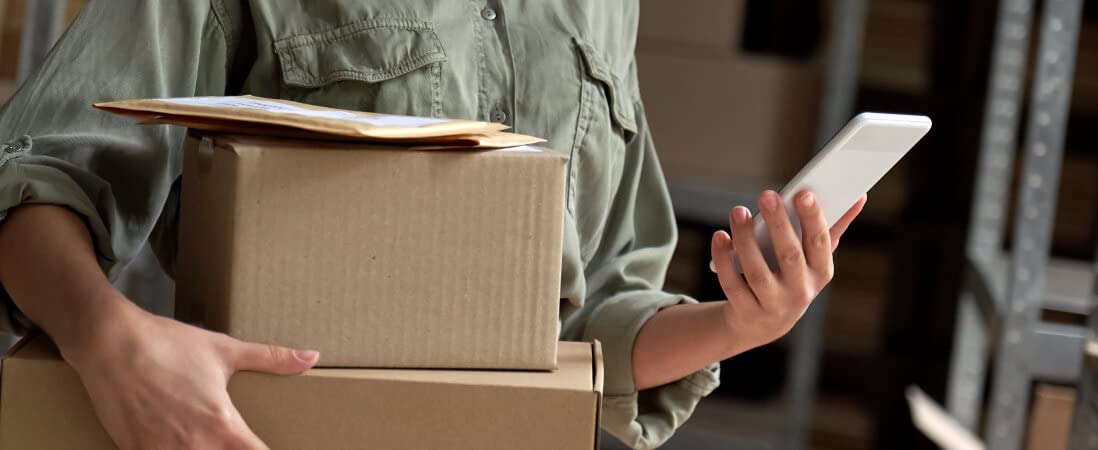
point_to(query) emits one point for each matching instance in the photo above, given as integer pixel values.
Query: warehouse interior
(970, 274)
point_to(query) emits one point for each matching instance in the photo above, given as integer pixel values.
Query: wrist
(735, 341)
(105, 321)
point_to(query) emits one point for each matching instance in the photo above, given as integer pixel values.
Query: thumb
(273, 359)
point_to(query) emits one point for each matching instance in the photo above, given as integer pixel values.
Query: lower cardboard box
(43, 406)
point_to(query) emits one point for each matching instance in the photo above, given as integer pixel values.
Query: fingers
(844, 222)
(734, 286)
(787, 245)
(272, 359)
(755, 271)
(815, 237)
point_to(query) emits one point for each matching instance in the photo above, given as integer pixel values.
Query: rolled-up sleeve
(624, 282)
(56, 149)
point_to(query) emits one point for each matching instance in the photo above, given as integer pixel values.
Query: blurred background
(945, 283)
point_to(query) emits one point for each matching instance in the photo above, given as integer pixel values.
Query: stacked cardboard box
(383, 257)
(1050, 417)
(896, 47)
(723, 119)
(9, 50)
(11, 14)
(7, 88)
(44, 406)
(11, 30)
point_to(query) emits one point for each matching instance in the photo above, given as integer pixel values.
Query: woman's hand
(157, 383)
(154, 383)
(763, 305)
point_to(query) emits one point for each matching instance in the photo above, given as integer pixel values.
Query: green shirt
(559, 69)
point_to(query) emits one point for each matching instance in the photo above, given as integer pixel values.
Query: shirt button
(488, 14)
(13, 147)
(498, 116)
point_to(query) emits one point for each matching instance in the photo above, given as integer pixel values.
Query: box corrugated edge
(599, 379)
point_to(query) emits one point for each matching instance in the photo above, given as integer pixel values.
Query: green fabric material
(559, 69)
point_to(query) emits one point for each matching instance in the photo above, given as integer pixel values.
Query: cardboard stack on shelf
(11, 29)
(408, 253)
(9, 49)
(722, 119)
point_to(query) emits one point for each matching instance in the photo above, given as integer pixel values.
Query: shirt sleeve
(116, 175)
(625, 280)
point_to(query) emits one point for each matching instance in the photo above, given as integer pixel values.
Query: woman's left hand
(763, 305)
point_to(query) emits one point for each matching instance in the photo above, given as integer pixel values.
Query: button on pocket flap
(599, 69)
(371, 51)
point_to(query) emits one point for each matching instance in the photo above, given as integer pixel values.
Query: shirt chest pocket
(381, 65)
(607, 124)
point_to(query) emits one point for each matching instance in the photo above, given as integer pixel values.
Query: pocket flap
(371, 51)
(599, 69)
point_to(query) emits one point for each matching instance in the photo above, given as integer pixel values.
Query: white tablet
(847, 167)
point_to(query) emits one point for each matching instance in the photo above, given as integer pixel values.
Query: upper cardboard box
(43, 406)
(269, 117)
(377, 256)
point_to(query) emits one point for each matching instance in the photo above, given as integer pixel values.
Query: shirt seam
(482, 89)
(370, 76)
(220, 14)
(344, 32)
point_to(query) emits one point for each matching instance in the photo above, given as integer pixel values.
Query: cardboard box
(43, 406)
(7, 89)
(896, 49)
(377, 256)
(709, 24)
(11, 29)
(1050, 417)
(725, 123)
(11, 26)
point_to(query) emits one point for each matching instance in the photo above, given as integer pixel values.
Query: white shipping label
(521, 148)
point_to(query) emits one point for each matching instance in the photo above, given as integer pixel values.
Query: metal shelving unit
(1005, 292)
(847, 23)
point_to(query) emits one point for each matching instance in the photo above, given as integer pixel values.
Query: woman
(81, 191)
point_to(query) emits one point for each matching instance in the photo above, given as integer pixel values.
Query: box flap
(596, 365)
(573, 373)
(283, 117)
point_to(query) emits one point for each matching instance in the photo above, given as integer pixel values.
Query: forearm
(680, 340)
(48, 267)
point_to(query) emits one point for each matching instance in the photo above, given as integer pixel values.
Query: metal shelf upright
(1005, 291)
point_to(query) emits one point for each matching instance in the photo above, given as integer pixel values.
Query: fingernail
(308, 356)
(770, 201)
(808, 199)
(740, 215)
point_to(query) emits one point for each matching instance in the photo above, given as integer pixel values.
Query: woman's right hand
(156, 383)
